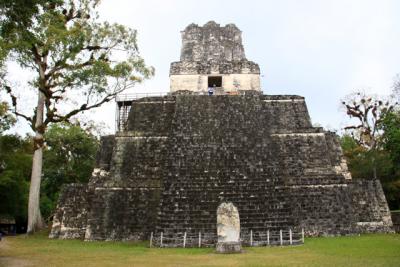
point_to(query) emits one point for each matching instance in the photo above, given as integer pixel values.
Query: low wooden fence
(248, 238)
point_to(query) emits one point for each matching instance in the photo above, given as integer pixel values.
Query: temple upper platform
(213, 58)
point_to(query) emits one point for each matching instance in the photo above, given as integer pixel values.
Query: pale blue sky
(320, 49)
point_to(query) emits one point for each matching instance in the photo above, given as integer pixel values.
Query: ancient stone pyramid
(182, 154)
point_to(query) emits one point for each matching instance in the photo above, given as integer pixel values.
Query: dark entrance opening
(214, 81)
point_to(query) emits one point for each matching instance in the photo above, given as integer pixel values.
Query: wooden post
(268, 237)
(251, 238)
(151, 239)
(290, 237)
(184, 239)
(302, 235)
(199, 239)
(161, 239)
(280, 237)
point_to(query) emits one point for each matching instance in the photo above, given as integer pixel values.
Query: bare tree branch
(368, 111)
(14, 105)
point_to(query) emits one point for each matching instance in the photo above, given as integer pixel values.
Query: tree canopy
(6, 119)
(371, 144)
(78, 63)
(367, 113)
(391, 136)
(72, 55)
(70, 155)
(15, 168)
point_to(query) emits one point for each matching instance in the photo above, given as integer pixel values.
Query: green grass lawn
(38, 250)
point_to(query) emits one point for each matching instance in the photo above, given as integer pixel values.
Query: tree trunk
(374, 169)
(35, 221)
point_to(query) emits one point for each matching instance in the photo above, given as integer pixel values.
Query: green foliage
(77, 59)
(391, 143)
(70, 156)
(361, 163)
(19, 13)
(360, 160)
(15, 168)
(6, 119)
(391, 136)
(372, 144)
(77, 63)
(16, 16)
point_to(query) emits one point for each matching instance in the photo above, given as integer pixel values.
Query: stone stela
(228, 229)
(183, 154)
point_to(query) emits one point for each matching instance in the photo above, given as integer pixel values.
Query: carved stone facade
(213, 56)
(182, 155)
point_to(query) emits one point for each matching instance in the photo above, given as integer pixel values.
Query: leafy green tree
(359, 161)
(17, 15)
(360, 158)
(372, 146)
(15, 160)
(15, 168)
(20, 13)
(6, 119)
(78, 63)
(391, 136)
(367, 112)
(70, 156)
(391, 143)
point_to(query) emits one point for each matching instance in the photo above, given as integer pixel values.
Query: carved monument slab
(228, 229)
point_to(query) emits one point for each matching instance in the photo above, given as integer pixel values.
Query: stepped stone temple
(217, 138)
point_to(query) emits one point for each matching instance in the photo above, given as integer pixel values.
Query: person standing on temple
(211, 90)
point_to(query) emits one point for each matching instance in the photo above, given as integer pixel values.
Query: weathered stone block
(228, 247)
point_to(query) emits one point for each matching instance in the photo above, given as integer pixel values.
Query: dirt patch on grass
(11, 261)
